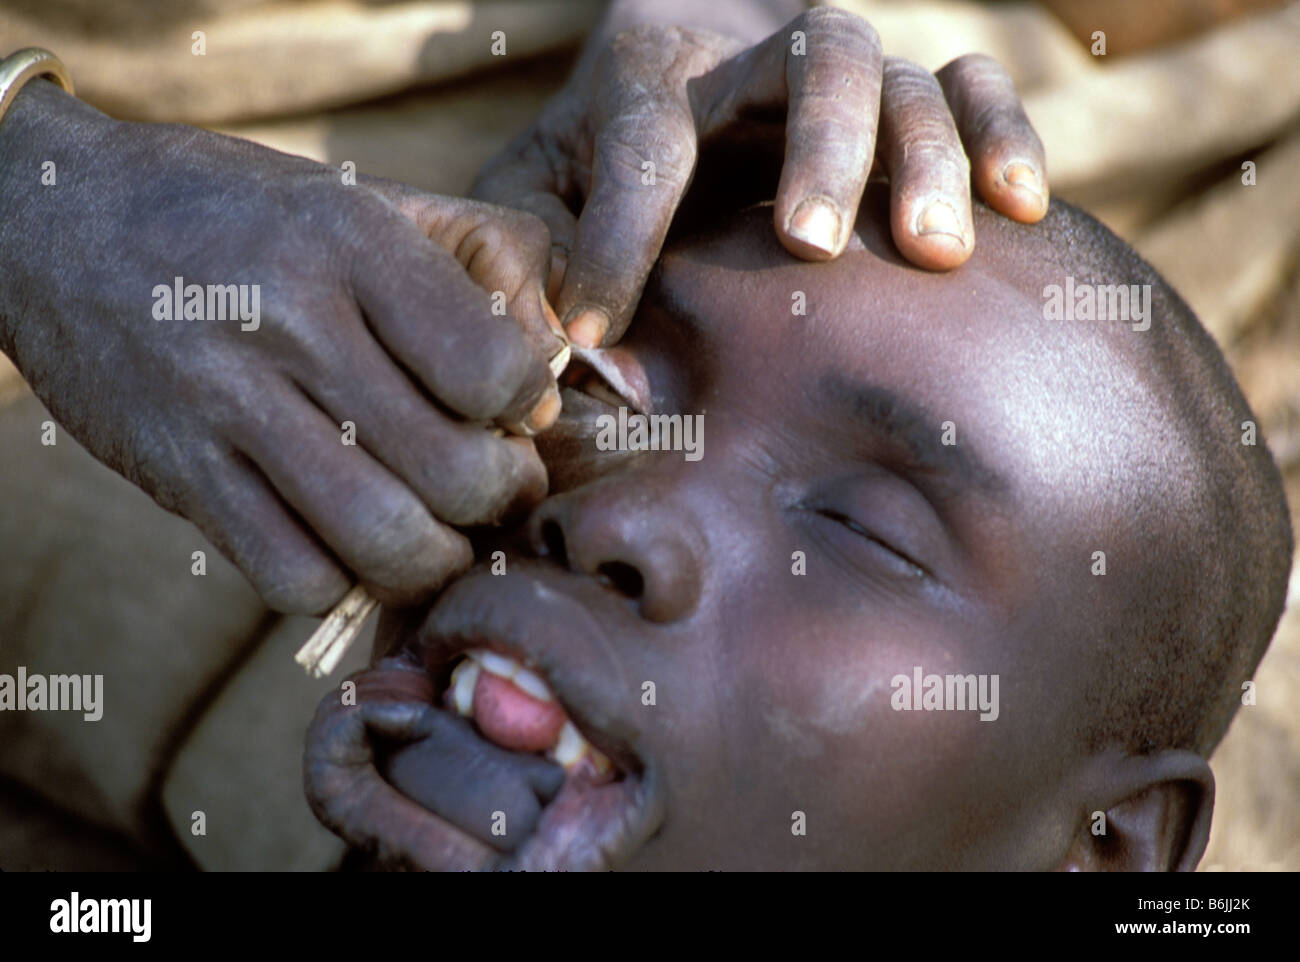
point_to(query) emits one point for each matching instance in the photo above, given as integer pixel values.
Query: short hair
(1213, 586)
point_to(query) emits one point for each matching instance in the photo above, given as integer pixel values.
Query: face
(889, 481)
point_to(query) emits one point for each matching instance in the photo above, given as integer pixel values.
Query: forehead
(970, 346)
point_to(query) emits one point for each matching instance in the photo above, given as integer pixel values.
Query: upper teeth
(570, 747)
(511, 670)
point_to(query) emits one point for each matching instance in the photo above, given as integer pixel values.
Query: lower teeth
(463, 681)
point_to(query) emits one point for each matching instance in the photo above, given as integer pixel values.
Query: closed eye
(911, 567)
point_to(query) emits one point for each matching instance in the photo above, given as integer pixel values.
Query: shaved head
(1209, 533)
(905, 476)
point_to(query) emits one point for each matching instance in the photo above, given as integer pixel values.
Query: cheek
(886, 787)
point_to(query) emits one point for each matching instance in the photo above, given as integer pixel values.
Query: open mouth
(523, 745)
(515, 709)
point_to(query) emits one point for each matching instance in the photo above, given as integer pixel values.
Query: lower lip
(593, 824)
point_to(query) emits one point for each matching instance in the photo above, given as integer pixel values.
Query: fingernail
(543, 415)
(588, 328)
(816, 223)
(940, 218)
(1024, 177)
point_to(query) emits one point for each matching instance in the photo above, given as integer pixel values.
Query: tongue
(512, 718)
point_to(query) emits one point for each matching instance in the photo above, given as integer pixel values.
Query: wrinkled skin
(367, 315)
(661, 96)
(773, 688)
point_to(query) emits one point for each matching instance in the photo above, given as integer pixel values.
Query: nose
(637, 543)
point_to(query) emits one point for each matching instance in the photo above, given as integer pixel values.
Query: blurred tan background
(208, 708)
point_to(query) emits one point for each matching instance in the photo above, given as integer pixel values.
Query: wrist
(45, 136)
(43, 116)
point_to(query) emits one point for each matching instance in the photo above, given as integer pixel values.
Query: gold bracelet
(21, 66)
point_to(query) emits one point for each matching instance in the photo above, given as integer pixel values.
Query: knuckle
(657, 134)
(505, 249)
(904, 79)
(983, 96)
(931, 147)
(934, 163)
(841, 27)
(831, 19)
(530, 232)
(391, 536)
(481, 244)
(999, 118)
(486, 253)
(999, 123)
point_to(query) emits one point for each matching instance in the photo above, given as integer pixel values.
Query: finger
(525, 178)
(830, 133)
(512, 182)
(541, 231)
(462, 473)
(506, 253)
(371, 521)
(349, 796)
(245, 518)
(824, 67)
(432, 318)
(929, 174)
(1007, 160)
(642, 163)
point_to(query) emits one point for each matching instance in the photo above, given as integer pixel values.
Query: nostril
(553, 539)
(623, 577)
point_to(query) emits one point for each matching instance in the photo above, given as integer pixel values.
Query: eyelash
(917, 570)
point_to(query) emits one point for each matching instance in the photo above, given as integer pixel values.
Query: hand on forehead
(611, 158)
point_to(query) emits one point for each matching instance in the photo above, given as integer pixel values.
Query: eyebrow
(907, 428)
(914, 438)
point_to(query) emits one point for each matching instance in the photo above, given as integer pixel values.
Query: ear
(1157, 815)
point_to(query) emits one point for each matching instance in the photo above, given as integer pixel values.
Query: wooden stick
(331, 641)
(560, 361)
